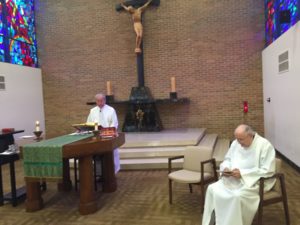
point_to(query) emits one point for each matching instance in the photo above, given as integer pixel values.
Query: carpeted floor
(141, 198)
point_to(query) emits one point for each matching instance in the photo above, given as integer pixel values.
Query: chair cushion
(271, 194)
(187, 176)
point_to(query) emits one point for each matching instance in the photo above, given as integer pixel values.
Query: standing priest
(105, 116)
(234, 198)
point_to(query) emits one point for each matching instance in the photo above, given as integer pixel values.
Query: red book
(108, 132)
(8, 130)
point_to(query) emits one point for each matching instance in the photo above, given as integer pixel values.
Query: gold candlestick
(38, 134)
(96, 133)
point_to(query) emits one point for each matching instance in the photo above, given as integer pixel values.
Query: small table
(7, 139)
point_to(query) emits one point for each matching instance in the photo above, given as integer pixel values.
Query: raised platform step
(209, 141)
(148, 163)
(133, 153)
(168, 137)
(158, 147)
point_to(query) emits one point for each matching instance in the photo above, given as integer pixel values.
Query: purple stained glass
(1, 21)
(20, 20)
(22, 53)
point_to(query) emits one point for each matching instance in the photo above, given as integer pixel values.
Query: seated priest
(105, 116)
(234, 199)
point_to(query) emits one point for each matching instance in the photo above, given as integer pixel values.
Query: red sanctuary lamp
(245, 107)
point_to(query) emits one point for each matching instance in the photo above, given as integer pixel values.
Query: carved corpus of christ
(136, 14)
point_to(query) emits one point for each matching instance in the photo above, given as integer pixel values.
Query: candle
(108, 87)
(173, 84)
(37, 125)
(96, 126)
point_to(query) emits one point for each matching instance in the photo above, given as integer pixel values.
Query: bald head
(244, 135)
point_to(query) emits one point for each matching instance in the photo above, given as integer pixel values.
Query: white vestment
(235, 201)
(106, 117)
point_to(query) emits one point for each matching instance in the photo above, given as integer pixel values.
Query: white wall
(21, 104)
(282, 114)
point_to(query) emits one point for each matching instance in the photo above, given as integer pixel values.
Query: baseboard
(292, 164)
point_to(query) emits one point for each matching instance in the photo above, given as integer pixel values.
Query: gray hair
(245, 129)
(100, 95)
(249, 130)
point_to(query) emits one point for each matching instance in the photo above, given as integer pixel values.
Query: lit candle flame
(37, 125)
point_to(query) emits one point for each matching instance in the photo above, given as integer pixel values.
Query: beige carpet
(141, 198)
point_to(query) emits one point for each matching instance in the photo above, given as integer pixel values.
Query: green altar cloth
(44, 159)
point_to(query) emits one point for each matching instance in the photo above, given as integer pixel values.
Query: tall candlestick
(108, 88)
(37, 125)
(173, 84)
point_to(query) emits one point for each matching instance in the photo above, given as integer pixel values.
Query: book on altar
(85, 126)
(108, 132)
(8, 130)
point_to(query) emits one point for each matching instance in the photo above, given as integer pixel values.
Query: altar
(84, 150)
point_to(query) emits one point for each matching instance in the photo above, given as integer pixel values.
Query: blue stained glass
(292, 6)
(272, 13)
(2, 57)
(22, 53)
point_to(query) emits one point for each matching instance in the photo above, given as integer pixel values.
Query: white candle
(108, 88)
(37, 125)
(96, 126)
(173, 84)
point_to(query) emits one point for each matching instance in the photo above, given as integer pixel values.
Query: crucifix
(142, 114)
(136, 9)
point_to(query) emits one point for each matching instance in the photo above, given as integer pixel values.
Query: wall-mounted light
(245, 108)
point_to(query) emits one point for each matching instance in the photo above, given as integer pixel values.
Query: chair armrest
(214, 165)
(212, 160)
(277, 176)
(170, 159)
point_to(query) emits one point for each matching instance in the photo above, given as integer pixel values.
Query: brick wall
(212, 47)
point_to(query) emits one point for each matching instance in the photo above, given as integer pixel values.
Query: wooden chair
(275, 195)
(198, 168)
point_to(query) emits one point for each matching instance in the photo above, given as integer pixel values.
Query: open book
(85, 126)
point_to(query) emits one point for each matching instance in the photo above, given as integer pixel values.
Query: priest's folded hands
(231, 173)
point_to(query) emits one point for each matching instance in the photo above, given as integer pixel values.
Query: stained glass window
(17, 21)
(292, 7)
(20, 20)
(270, 21)
(22, 53)
(2, 56)
(1, 23)
(273, 8)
